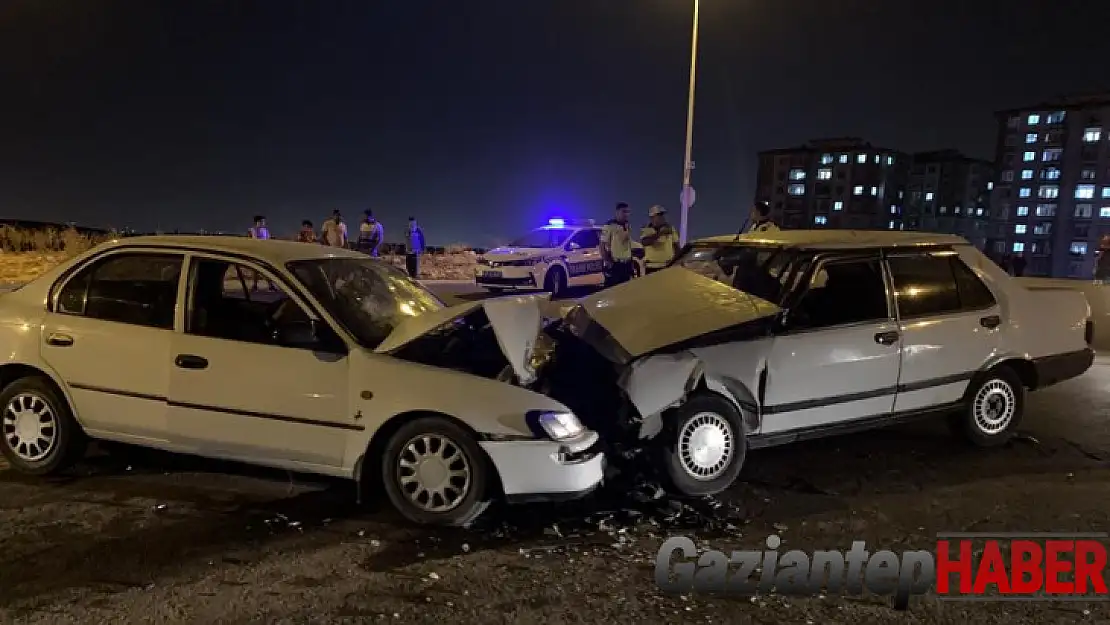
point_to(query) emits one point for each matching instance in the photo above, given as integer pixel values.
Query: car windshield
(368, 297)
(543, 238)
(758, 270)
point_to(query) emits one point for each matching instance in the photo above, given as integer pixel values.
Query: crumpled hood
(517, 323)
(661, 309)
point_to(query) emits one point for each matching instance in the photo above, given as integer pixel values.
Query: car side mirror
(571, 246)
(301, 333)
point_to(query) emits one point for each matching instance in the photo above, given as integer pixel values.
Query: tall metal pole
(688, 164)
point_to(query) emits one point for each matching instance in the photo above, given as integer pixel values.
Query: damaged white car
(765, 339)
(288, 355)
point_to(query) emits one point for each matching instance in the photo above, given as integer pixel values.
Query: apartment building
(949, 192)
(1051, 202)
(834, 183)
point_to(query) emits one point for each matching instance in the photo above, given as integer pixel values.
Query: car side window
(138, 289)
(587, 239)
(925, 285)
(841, 293)
(235, 302)
(974, 295)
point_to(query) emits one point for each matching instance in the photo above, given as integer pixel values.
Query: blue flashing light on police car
(562, 253)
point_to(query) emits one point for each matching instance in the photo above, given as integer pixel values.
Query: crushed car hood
(517, 322)
(659, 310)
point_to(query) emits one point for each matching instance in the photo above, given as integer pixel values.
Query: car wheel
(40, 435)
(995, 403)
(637, 269)
(436, 474)
(704, 446)
(555, 282)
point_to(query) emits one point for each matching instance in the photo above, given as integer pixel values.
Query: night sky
(485, 117)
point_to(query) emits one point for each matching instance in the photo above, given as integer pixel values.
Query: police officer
(660, 240)
(760, 219)
(616, 247)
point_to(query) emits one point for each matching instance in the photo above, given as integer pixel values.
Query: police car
(563, 253)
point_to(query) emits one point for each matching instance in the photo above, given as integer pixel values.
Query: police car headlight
(561, 425)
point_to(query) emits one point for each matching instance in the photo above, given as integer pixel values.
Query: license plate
(491, 274)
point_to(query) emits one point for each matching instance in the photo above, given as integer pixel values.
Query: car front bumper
(544, 470)
(505, 277)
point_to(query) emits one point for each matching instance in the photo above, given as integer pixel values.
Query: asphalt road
(134, 537)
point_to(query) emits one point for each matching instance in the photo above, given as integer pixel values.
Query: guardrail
(1098, 297)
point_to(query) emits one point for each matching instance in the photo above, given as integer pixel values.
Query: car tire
(555, 282)
(994, 406)
(33, 408)
(455, 501)
(637, 269)
(704, 414)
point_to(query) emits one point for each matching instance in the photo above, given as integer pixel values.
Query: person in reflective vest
(660, 240)
(760, 219)
(616, 247)
(370, 234)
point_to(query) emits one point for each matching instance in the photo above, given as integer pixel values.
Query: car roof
(275, 251)
(839, 239)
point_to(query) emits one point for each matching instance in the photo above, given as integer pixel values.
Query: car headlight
(561, 425)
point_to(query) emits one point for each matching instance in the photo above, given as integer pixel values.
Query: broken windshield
(759, 270)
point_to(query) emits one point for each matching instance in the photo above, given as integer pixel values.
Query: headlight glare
(561, 425)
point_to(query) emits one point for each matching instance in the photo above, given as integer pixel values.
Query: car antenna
(743, 226)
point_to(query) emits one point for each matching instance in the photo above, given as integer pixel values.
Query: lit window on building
(1048, 191)
(1042, 228)
(1031, 137)
(858, 190)
(979, 211)
(929, 196)
(797, 174)
(1033, 120)
(1051, 155)
(1029, 156)
(820, 220)
(1106, 193)
(1022, 211)
(890, 160)
(1078, 248)
(1025, 192)
(1056, 118)
(861, 158)
(890, 225)
(990, 186)
(824, 174)
(1092, 135)
(1027, 174)
(1104, 212)
(1052, 173)
(796, 189)
(1019, 229)
(1019, 246)
(878, 159)
(874, 190)
(1084, 191)
(1087, 174)
(1083, 211)
(838, 205)
(826, 159)
(1046, 210)
(893, 209)
(843, 159)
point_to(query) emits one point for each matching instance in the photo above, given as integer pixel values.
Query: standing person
(370, 234)
(1019, 265)
(414, 247)
(307, 234)
(660, 240)
(1102, 259)
(259, 230)
(760, 219)
(616, 247)
(334, 231)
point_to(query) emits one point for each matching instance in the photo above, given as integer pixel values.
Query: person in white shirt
(334, 231)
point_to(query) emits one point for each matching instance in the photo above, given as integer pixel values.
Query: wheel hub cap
(434, 473)
(994, 406)
(705, 446)
(29, 427)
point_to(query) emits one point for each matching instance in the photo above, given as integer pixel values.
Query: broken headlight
(561, 426)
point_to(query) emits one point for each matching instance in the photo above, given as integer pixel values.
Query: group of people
(659, 238)
(370, 238)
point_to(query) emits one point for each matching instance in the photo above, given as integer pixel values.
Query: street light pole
(688, 164)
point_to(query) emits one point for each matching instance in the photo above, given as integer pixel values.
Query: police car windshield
(543, 238)
(368, 297)
(758, 270)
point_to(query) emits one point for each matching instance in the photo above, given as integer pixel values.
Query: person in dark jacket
(414, 247)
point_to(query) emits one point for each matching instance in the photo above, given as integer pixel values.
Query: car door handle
(188, 361)
(59, 340)
(886, 338)
(991, 322)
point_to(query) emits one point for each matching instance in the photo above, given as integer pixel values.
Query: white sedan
(288, 355)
